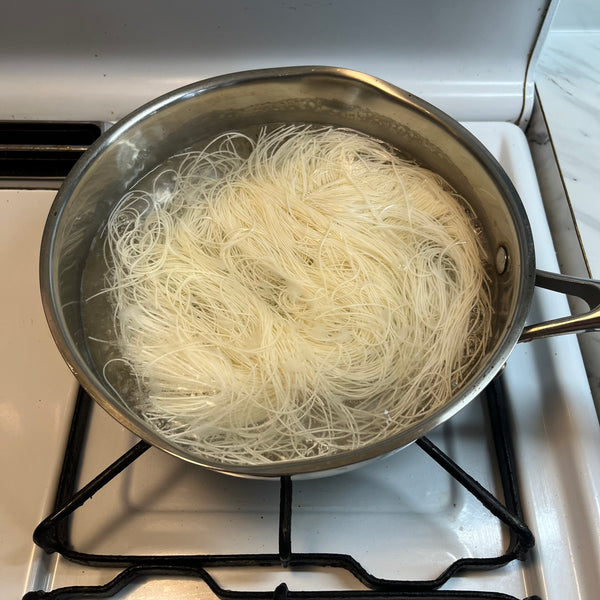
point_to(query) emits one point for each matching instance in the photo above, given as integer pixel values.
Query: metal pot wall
(320, 95)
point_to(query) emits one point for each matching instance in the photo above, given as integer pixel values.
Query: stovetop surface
(399, 515)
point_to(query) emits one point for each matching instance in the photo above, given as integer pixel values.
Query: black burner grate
(53, 533)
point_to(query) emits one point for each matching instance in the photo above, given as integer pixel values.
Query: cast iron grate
(53, 534)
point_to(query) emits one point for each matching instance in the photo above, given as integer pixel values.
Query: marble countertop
(568, 88)
(568, 85)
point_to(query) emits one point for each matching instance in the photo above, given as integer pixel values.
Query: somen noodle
(302, 293)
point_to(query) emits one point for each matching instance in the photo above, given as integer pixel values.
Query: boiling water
(99, 313)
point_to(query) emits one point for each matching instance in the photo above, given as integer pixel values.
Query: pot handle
(586, 289)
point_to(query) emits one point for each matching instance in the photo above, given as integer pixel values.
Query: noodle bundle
(300, 294)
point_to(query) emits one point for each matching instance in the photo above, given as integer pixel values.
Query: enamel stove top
(401, 518)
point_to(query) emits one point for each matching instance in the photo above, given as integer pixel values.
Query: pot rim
(320, 465)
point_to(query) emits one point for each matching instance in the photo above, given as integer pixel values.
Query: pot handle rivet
(501, 260)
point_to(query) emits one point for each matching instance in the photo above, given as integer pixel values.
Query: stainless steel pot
(323, 95)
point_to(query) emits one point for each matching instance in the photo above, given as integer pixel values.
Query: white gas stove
(403, 518)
